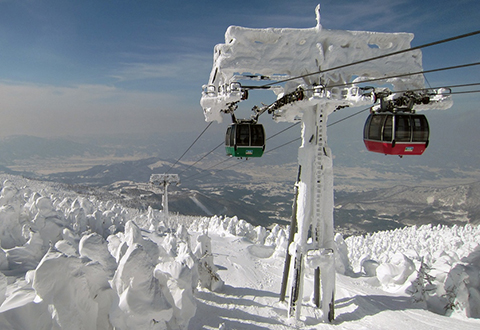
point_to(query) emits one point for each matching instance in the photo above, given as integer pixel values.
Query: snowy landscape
(73, 261)
(98, 96)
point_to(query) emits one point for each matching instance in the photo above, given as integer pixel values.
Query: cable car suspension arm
(296, 95)
(389, 101)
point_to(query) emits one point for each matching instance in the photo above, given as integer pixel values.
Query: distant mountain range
(453, 145)
(400, 205)
(262, 198)
(265, 202)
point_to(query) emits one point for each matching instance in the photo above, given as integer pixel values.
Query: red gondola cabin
(396, 133)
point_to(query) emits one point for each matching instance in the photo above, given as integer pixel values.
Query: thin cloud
(140, 71)
(45, 110)
(182, 67)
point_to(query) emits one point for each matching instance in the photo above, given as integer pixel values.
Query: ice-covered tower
(321, 63)
(284, 53)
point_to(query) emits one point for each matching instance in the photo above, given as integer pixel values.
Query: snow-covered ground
(75, 262)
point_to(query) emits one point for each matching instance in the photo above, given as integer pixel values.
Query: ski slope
(249, 299)
(71, 261)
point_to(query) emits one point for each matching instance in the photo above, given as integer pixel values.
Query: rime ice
(131, 277)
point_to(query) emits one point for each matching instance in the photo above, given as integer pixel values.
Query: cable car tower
(165, 180)
(313, 73)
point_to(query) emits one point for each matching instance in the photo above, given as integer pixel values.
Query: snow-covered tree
(423, 286)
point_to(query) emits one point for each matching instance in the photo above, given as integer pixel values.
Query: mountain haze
(379, 196)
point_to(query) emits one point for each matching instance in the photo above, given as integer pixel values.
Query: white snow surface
(71, 261)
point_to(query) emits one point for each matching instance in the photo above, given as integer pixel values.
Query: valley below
(371, 194)
(365, 200)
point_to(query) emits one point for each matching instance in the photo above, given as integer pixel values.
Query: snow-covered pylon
(165, 180)
(318, 66)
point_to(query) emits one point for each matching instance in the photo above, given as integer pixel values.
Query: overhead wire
(428, 82)
(283, 130)
(465, 92)
(225, 160)
(329, 125)
(373, 58)
(208, 153)
(409, 74)
(344, 66)
(423, 72)
(221, 143)
(459, 85)
(191, 145)
(214, 165)
(280, 146)
(366, 109)
(445, 87)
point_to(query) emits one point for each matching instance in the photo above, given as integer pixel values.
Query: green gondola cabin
(245, 140)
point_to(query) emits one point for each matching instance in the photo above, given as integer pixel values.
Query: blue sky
(100, 67)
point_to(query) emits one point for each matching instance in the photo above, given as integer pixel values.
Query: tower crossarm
(305, 56)
(164, 179)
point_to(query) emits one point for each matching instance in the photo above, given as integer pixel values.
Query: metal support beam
(314, 213)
